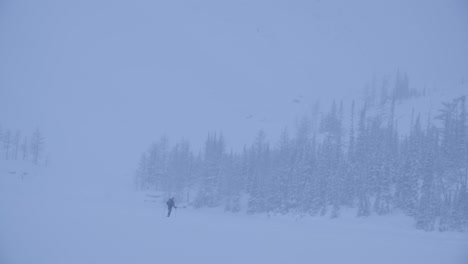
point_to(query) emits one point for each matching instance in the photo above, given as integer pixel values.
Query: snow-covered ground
(43, 221)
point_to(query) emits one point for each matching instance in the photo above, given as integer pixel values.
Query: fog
(103, 79)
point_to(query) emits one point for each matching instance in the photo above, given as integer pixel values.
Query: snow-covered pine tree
(362, 176)
(260, 174)
(282, 173)
(211, 172)
(37, 146)
(7, 143)
(179, 170)
(16, 144)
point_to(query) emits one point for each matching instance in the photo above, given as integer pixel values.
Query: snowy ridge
(427, 106)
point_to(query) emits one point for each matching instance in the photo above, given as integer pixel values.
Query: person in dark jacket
(170, 204)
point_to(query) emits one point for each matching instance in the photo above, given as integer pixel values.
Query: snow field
(42, 223)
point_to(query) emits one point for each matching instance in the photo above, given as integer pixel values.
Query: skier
(170, 203)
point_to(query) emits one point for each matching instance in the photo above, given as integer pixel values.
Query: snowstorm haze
(243, 131)
(103, 79)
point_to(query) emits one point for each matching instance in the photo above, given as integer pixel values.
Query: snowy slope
(183, 68)
(427, 106)
(44, 222)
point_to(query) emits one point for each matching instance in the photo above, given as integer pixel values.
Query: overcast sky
(104, 78)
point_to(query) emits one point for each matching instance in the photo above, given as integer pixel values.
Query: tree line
(322, 167)
(16, 146)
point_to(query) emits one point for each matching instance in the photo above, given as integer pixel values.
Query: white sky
(104, 78)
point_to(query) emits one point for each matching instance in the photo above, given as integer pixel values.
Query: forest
(327, 164)
(14, 145)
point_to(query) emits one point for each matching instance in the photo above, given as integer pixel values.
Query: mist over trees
(323, 166)
(15, 146)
